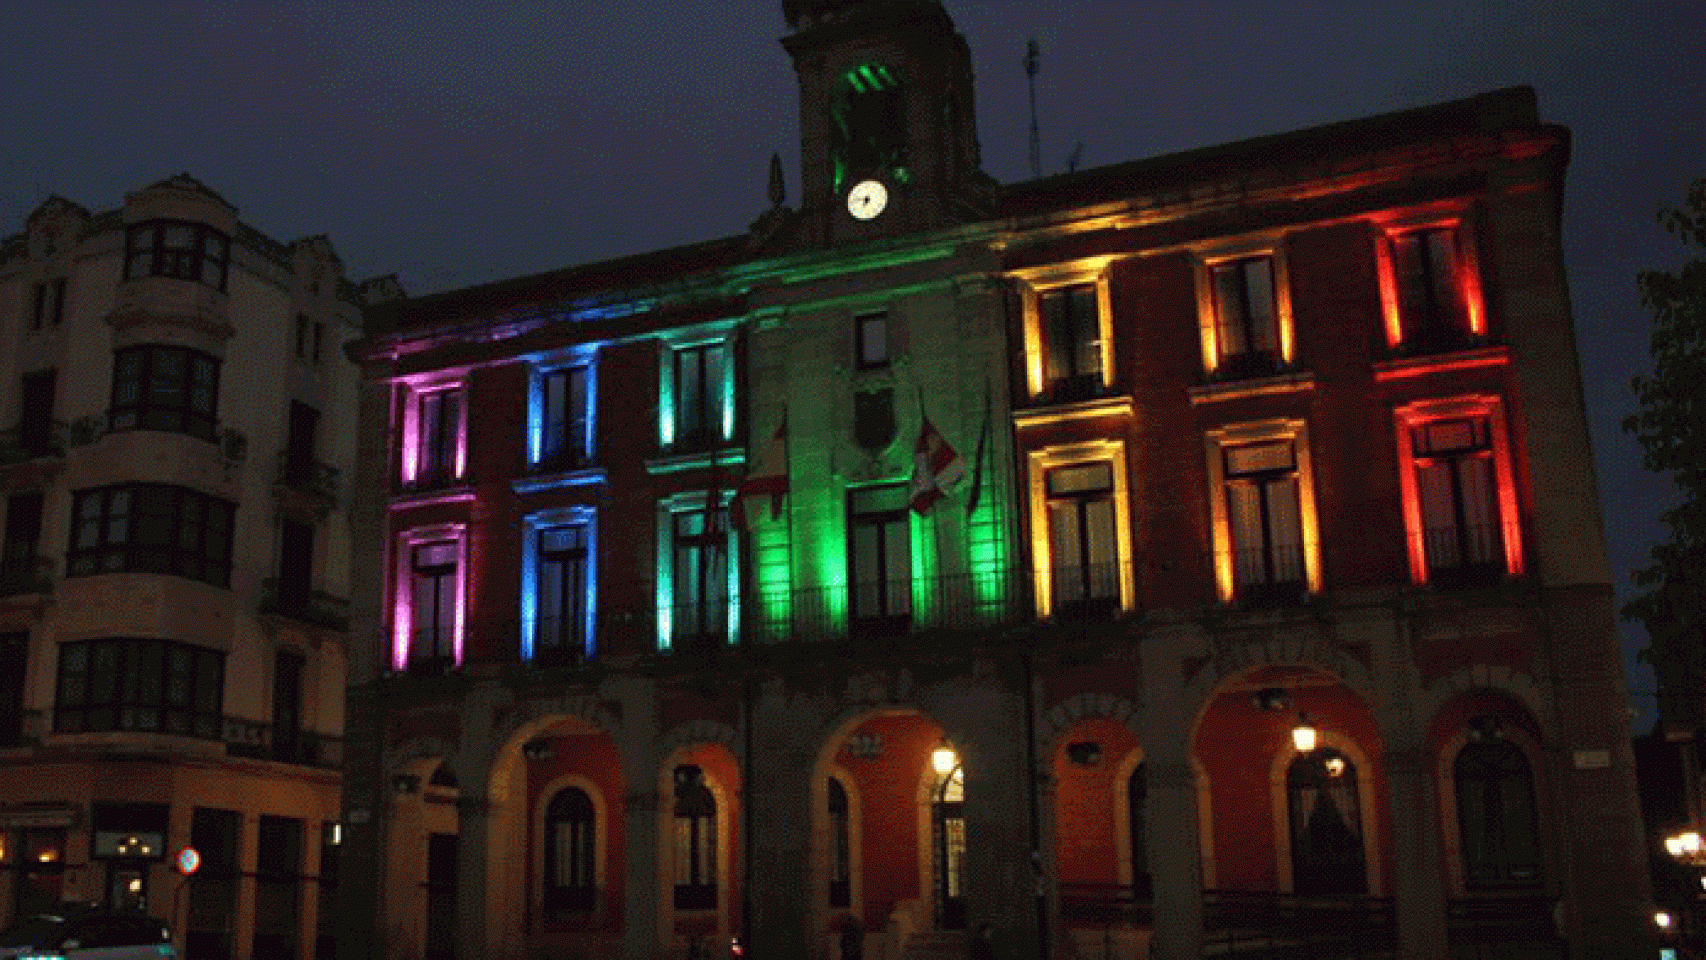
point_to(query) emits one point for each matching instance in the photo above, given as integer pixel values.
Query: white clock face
(867, 199)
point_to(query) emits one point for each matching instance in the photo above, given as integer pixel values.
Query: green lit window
(879, 532)
(699, 396)
(699, 616)
(867, 126)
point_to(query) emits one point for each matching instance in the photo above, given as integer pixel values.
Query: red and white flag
(935, 468)
(769, 477)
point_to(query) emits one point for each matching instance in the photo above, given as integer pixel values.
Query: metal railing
(307, 476)
(315, 607)
(1324, 927)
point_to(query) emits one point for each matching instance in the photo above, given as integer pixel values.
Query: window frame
(1215, 443)
(1206, 261)
(1039, 462)
(197, 715)
(668, 632)
(703, 841)
(541, 417)
(581, 898)
(1417, 414)
(125, 552)
(191, 263)
(1088, 599)
(414, 449)
(49, 304)
(403, 652)
(533, 581)
(862, 336)
(148, 412)
(1033, 285)
(717, 406)
(1467, 265)
(895, 609)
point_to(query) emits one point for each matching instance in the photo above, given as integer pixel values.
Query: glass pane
(1285, 530)
(1439, 515)
(1101, 550)
(1089, 477)
(689, 393)
(577, 439)
(180, 237)
(1066, 550)
(873, 339)
(1229, 304)
(1480, 514)
(1248, 543)
(714, 390)
(1259, 457)
(1259, 282)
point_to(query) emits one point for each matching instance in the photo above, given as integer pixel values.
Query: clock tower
(888, 134)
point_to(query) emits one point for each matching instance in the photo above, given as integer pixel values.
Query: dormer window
(177, 249)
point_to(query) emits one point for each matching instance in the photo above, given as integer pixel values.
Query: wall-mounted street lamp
(943, 760)
(1303, 735)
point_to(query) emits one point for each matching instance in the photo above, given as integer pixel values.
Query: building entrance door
(949, 829)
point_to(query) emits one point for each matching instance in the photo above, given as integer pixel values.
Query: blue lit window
(565, 419)
(559, 585)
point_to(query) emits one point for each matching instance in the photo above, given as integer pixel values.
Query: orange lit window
(1081, 529)
(1246, 319)
(1459, 502)
(1072, 342)
(1263, 513)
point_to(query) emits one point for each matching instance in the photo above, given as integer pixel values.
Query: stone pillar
(1418, 888)
(779, 878)
(1175, 853)
(474, 877)
(640, 885)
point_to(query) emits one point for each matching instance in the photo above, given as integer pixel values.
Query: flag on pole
(769, 477)
(976, 492)
(935, 468)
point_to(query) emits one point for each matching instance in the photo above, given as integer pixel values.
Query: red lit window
(1434, 289)
(1457, 490)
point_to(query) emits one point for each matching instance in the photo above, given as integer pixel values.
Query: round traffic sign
(189, 861)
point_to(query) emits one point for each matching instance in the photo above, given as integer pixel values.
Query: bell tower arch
(888, 132)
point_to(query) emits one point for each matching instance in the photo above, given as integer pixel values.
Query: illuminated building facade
(1267, 593)
(173, 580)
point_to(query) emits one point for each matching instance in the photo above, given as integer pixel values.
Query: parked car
(87, 933)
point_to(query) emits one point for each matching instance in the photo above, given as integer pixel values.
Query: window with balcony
(1460, 508)
(699, 379)
(563, 623)
(434, 448)
(695, 841)
(173, 248)
(871, 340)
(18, 571)
(37, 393)
(1246, 318)
(565, 419)
(879, 558)
(147, 685)
(1428, 268)
(1262, 495)
(1072, 342)
(49, 304)
(571, 851)
(151, 528)
(699, 579)
(172, 389)
(1083, 544)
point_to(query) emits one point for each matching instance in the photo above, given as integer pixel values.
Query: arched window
(1326, 824)
(867, 126)
(1137, 795)
(1495, 816)
(840, 847)
(948, 820)
(695, 841)
(571, 850)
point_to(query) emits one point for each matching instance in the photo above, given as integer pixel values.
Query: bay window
(172, 389)
(174, 248)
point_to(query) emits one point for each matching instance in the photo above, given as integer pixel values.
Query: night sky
(454, 144)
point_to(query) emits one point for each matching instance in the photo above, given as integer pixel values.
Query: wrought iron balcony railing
(285, 599)
(307, 476)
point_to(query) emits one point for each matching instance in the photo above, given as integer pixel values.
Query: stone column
(474, 877)
(1175, 857)
(640, 885)
(1417, 887)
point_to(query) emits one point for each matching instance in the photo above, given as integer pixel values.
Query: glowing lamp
(1686, 846)
(1303, 735)
(943, 760)
(1663, 919)
(1335, 766)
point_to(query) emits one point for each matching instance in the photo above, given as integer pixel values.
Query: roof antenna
(1031, 66)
